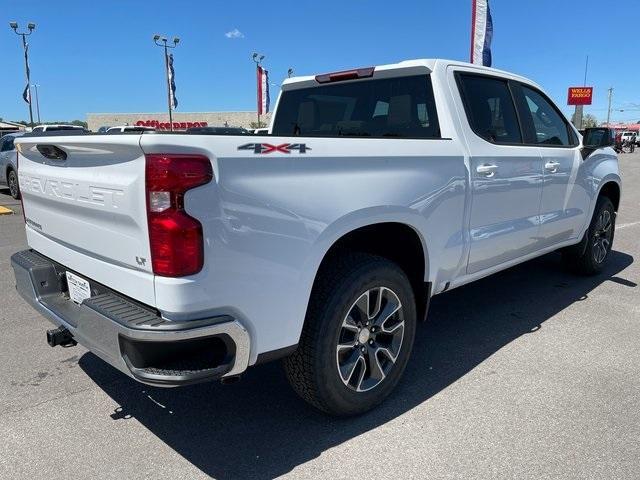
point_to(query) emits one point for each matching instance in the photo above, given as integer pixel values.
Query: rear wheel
(590, 256)
(12, 181)
(357, 337)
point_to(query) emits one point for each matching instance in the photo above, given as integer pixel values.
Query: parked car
(630, 136)
(218, 131)
(129, 129)
(8, 167)
(56, 128)
(261, 131)
(185, 258)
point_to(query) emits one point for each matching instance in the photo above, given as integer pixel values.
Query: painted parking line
(625, 225)
(5, 210)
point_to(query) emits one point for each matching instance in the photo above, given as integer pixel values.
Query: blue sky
(98, 56)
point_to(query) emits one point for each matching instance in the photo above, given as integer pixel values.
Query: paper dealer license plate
(79, 288)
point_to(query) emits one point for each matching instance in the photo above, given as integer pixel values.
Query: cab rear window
(402, 107)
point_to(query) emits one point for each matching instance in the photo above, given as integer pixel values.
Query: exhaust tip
(60, 336)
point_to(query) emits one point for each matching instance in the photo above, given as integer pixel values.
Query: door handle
(551, 167)
(487, 170)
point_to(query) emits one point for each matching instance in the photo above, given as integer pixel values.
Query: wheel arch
(398, 240)
(611, 190)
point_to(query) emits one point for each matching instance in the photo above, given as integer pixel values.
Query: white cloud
(235, 33)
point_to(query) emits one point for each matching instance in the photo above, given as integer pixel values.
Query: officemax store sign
(167, 126)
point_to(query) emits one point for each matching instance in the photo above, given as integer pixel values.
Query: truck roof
(417, 66)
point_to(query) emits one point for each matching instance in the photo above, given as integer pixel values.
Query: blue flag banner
(481, 33)
(26, 95)
(172, 84)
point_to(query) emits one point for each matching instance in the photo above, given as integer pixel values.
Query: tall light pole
(257, 58)
(289, 72)
(35, 88)
(579, 110)
(30, 27)
(162, 42)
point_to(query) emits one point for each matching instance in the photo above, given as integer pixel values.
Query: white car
(56, 128)
(630, 136)
(129, 129)
(8, 166)
(184, 258)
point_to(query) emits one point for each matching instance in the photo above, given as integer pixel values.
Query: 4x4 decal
(268, 148)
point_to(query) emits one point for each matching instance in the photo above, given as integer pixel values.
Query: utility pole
(609, 110)
(166, 47)
(31, 27)
(257, 58)
(586, 68)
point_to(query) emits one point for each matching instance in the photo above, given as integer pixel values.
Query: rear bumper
(130, 336)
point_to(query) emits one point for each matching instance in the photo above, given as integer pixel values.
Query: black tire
(590, 256)
(12, 182)
(313, 369)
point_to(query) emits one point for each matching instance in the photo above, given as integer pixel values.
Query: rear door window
(402, 107)
(490, 108)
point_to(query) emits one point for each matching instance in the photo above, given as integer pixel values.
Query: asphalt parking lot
(531, 373)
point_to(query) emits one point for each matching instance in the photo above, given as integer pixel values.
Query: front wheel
(590, 256)
(357, 337)
(12, 181)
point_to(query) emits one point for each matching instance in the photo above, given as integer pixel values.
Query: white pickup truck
(180, 258)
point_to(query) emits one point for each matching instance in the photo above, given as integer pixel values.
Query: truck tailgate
(88, 210)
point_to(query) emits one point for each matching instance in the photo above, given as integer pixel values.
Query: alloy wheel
(601, 242)
(370, 339)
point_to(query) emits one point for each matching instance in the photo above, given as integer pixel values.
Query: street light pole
(257, 58)
(31, 27)
(35, 87)
(166, 48)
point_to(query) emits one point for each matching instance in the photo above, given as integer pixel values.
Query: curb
(5, 211)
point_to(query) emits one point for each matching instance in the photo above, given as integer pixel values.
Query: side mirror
(595, 138)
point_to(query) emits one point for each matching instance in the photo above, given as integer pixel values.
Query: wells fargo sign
(167, 126)
(580, 96)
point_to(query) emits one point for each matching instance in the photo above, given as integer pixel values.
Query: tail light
(345, 75)
(175, 237)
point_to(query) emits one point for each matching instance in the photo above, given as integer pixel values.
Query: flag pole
(26, 66)
(166, 70)
(166, 47)
(27, 95)
(257, 58)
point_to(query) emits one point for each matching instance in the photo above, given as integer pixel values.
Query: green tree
(589, 121)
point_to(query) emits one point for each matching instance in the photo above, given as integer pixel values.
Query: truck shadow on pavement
(258, 428)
